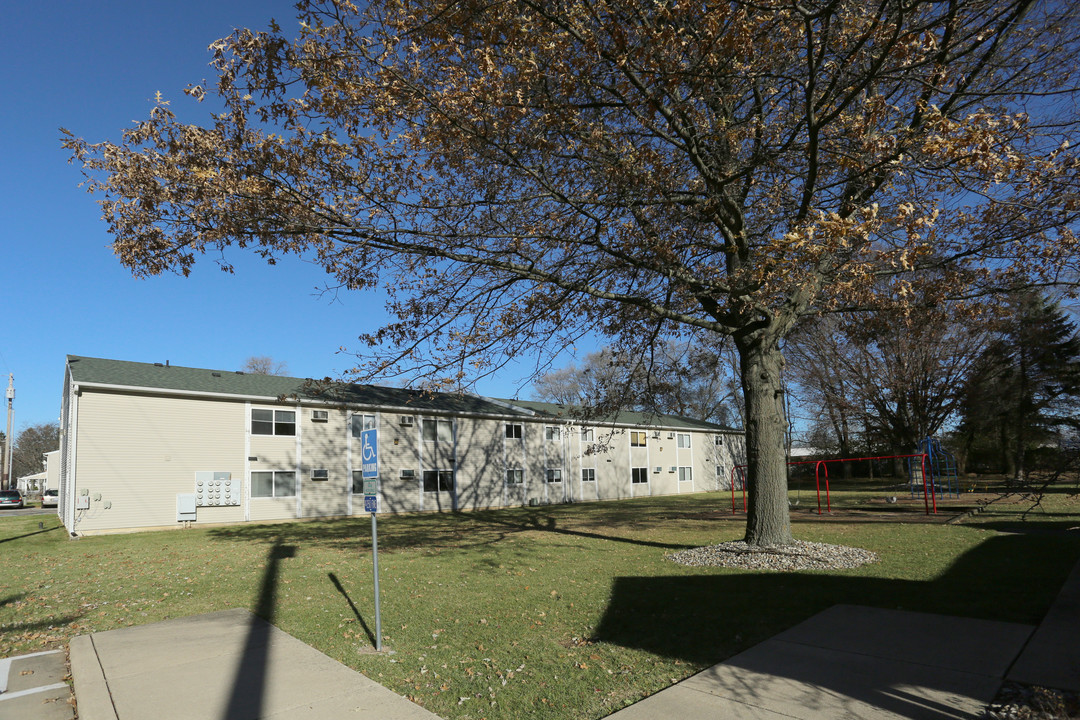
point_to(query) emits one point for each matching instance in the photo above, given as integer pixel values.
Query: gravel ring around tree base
(1025, 702)
(800, 555)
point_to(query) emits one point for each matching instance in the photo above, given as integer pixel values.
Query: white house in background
(155, 445)
(31, 484)
(41, 481)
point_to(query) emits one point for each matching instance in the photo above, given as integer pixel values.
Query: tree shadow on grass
(707, 617)
(475, 529)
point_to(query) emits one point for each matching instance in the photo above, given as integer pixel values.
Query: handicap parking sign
(369, 453)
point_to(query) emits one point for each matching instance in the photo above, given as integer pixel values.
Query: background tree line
(1000, 382)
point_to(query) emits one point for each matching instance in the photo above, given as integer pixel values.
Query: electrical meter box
(216, 488)
(185, 508)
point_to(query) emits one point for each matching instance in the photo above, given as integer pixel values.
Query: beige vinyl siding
(481, 473)
(726, 455)
(584, 451)
(557, 458)
(398, 450)
(437, 455)
(324, 446)
(616, 485)
(138, 452)
(662, 454)
(52, 469)
(264, 508)
(535, 461)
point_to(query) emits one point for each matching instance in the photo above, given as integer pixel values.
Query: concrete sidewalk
(852, 662)
(32, 687)
(1052, 657)
(228, 665)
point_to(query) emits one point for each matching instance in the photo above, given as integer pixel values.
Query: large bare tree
(519, 174)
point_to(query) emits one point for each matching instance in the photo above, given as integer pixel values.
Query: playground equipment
(821, 471)
(940, 465)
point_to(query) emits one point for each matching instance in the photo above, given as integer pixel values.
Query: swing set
(932, 466)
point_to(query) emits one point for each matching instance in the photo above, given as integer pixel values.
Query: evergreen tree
(1026, 388)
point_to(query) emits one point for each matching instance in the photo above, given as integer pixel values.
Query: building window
(683, 440)
(357, 482)
(360, 423)
(551, 432)
(513, 430)
(273, 422)
(720, 440)
(554, 475)
(438, 481)
(587, 435)
(440, 431)
(588, 475)
(515, 476)
(639, 475)
(638, 439)
(279, 483)
(686, 474)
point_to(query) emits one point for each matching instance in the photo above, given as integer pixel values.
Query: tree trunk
(767, 517)
(1008, 459)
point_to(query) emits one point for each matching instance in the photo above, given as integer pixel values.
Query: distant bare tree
(264, 365)
(686, 378)
(894, 377)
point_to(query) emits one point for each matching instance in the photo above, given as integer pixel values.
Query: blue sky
(94, 68)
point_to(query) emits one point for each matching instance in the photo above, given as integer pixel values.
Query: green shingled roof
(174, 378)
(181, 380)
(625, 417)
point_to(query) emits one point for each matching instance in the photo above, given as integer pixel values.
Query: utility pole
(7, 438)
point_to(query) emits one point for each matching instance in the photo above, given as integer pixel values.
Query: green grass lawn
(562, 611)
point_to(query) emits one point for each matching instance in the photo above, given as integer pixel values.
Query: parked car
(11, 499)
(50, 498)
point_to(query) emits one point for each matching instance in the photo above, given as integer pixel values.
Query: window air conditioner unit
(656, 435)
(408, 474)
(406, 421)
(658, 469)
(672, 469)
(671, 436)
(320, 474)
(320, 415)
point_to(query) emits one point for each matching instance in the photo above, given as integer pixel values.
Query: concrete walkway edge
(1051, 657)
(91, 689)
(243, 667)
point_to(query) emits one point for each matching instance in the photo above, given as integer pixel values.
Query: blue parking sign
(371, 503)
(369, 453)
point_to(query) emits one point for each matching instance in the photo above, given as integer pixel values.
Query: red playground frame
(822, 465)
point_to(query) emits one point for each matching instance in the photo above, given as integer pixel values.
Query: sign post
(369, 443)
